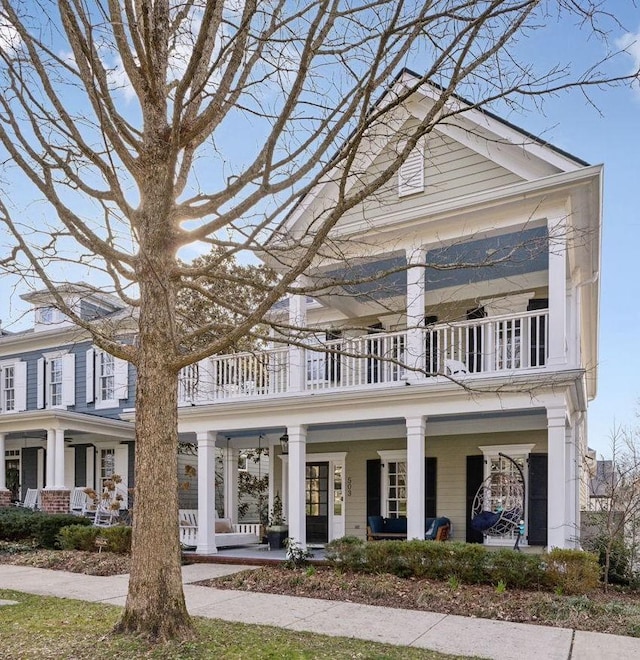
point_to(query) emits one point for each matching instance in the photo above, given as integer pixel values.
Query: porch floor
(254, 555)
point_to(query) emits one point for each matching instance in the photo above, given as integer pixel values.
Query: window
(55, 382)
(394, 484)
(46, 315)
(106, 376)
(13, 386)
(502, 473)
(8, 389)
(107, 379)
(107, 465)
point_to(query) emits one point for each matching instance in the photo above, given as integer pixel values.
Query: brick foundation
(55, 501)
(5, 498)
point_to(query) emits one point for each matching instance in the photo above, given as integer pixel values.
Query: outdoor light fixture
(284, 443)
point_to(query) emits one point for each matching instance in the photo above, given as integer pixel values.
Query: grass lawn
(41, 627)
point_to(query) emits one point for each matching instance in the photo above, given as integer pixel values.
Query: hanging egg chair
(498, 506)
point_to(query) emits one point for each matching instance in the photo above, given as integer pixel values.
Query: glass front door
(317, 502)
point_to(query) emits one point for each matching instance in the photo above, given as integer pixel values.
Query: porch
(497, 346)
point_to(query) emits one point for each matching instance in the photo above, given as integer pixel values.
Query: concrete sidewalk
(440, 632)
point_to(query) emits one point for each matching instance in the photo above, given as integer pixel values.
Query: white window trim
(515, 452)
(19, 385)
(68, 379)
(387, 456)
(120, 380)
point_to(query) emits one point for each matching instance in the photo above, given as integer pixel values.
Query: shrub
(118, 539)
(572, 572)
(42, 528)
(619, 558)
(48, 526)
(517, 569)
(346, 553)
(79, 537)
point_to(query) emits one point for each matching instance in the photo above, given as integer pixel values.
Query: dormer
(88, 304)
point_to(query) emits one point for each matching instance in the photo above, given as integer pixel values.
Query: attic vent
(411, 173)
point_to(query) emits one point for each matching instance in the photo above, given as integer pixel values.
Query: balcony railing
(456, 350)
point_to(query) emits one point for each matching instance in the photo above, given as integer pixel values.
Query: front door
(317, 502)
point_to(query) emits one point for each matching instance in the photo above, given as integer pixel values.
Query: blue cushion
(484, 520)
(376, 524)
(395, 525)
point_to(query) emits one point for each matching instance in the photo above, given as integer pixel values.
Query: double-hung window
(13, 386)
(107, 379)
(56, 382)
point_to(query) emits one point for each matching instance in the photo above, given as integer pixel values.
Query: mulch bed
(613, 612)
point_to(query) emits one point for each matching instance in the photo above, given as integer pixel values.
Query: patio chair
(78, 501)
(31, 499)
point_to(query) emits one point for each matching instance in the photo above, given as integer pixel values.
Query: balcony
(501, 344)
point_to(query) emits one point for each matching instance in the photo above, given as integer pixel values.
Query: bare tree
(147, 126)
(614, 514)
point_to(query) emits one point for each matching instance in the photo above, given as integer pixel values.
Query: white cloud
(10, 40)
(630, 43)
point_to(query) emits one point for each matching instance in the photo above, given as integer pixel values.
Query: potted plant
(277, 529)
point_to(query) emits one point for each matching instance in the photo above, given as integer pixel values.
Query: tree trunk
(155, 606)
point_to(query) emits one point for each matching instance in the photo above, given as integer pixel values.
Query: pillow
(223, 526)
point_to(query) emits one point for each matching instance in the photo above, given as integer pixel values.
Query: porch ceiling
(437, 425)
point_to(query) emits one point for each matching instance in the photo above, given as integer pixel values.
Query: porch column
(231, 484)
(51, 459)
(416, 427)
(296, 517)
(557, 291)
(5, 493)
(557, 477)
(415, 356)
(572, 511)
(3, 476)
(298, 321)
(59, 461)
(272, 472)
(206, 493)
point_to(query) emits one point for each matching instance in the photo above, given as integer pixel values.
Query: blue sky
(608, 133)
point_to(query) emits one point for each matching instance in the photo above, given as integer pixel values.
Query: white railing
(479, 346)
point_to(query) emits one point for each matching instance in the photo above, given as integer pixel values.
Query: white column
(572, 514)
(298, 321)
(415, 356)
(206, 493)
(59, 462)
(416, 427)
(273, 487)
(557, 477)
(297, 479)
(3, 464)
(231, 484)
(51, 460)
(557, 291)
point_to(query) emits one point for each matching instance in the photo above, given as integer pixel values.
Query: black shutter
(374, 366)
(475, 477)
(474, 340)
(29, 479)
(374, 466)
(432, 363)
(430, 486)
(538, 332)
(80, 465)
(538, 488)
(332, 364)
